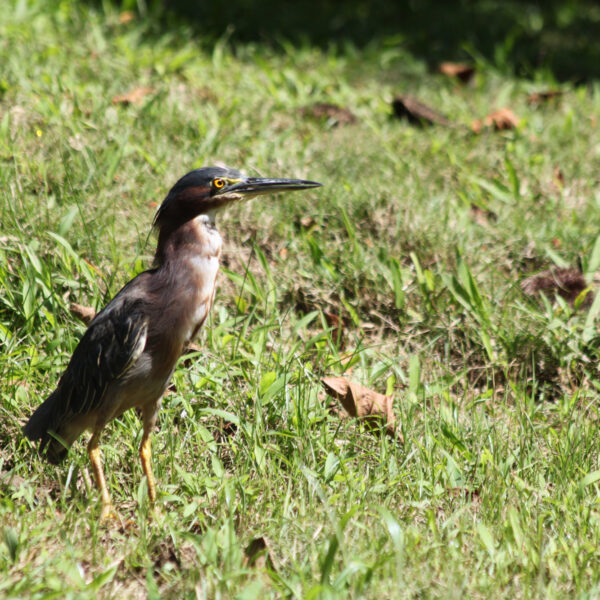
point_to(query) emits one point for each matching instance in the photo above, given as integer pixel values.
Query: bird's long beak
(256, 186)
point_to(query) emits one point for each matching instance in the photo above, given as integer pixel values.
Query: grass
(495, 492)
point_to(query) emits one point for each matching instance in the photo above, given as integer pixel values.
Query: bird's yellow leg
(95, 459)
(146, 458)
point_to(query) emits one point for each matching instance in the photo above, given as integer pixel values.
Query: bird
(129, 351)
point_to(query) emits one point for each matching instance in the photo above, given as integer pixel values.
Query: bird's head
(206, 190)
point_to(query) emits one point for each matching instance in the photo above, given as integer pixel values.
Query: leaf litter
(365, 404)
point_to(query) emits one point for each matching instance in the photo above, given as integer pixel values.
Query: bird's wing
(113, 342)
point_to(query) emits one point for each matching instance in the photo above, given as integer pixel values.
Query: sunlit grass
(495, 492)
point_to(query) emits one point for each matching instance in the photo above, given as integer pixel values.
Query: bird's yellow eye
(219, 183)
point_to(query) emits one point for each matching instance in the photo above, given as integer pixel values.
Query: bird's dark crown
(194, 194)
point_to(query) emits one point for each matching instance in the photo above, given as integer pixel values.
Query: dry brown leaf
(258, 554)
(558, 176)
(126, 17)
(417, 113)
(190, 348)
(462, 71)
(364, 403)
(135, 96)
(324, 111)
(500, 120)
(567, 283)
(83, 313)
(540, 97)
(503, 118)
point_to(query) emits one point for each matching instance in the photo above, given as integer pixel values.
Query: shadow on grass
(561, 36)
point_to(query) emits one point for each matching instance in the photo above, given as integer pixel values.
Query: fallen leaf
(559, 176)
(126, 17)
(417, 113)
(500, 120)
(567, 283)
(191, 348)
(540, 97)
(363, 403)
(83, 313)
(335, 115)
(258, 554)
(135, 96)
(462, 71)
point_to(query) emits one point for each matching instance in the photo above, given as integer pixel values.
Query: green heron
(126, 357)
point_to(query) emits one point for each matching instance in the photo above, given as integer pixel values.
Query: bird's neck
(198, 237)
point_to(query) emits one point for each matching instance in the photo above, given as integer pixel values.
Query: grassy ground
(402, 273)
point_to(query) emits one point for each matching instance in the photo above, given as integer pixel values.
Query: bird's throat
(198, 237)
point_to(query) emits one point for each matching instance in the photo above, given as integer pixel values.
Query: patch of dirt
(568, 283)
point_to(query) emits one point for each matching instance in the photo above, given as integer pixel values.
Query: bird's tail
(43, 425)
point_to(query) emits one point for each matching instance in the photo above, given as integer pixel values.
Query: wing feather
(112, 344)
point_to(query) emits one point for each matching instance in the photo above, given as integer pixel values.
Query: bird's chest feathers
(201, 291)
(201, 267)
